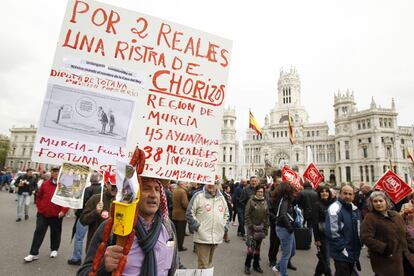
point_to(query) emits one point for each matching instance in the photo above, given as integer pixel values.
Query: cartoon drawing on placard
(69, 111)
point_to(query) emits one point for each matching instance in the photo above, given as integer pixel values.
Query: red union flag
(292, 177)
(312, 175)
(391, 184)
(109, 177)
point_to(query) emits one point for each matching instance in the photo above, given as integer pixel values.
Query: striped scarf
(147, 241)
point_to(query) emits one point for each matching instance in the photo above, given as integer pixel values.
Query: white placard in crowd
(195, 272)
(71, 184)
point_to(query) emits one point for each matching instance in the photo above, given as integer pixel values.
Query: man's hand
(99, 207)
(318, 244)
(112, 256)
(61, 214)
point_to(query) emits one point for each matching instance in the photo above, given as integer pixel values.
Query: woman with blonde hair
(384, 233)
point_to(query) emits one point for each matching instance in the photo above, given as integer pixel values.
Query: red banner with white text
(292, 177)
(312, 175)
(394, 186)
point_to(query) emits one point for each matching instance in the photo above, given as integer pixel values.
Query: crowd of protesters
(341, 222)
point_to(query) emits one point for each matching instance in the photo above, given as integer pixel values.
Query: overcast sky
(366, 46)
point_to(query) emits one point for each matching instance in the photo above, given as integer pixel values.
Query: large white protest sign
(121, 78)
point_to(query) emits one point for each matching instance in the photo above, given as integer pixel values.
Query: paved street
(16, 238)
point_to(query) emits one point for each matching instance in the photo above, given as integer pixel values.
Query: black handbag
(258, 232)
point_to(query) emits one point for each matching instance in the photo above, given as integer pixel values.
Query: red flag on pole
(394, 186)
(290, 129)
(312, 175)
(409, 156)
(292, 177)
(39, 168)
(109, 177)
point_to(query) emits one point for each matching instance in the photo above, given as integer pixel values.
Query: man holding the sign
(171, 107)
(342, 228)
(154, 249)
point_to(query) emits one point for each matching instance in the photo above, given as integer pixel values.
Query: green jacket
(256, 213)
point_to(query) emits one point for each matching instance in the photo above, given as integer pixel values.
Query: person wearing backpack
(285, 219)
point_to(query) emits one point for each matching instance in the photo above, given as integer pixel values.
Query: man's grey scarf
(147, 241)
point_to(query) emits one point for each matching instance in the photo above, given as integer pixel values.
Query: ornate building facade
(19, 156)
(228, 156)
(366, 143)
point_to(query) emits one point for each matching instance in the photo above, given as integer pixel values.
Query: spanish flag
(409, 156)
(290, 129)
(253, 124)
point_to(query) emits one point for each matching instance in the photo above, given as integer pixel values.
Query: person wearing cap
(95, 211)
(207, 216)
(48, 214)
(79, 230)
(154, 248)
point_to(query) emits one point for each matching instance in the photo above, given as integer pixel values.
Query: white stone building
(19, 156)
(364, 146)
(369, 142)
(228, 156)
